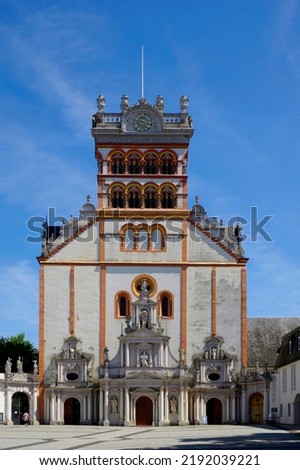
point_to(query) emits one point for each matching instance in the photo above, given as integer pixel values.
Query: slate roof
(265, 336)
(289, 350)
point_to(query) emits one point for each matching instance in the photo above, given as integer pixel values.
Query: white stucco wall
(288, 394)
(228, 308)
(84, 247)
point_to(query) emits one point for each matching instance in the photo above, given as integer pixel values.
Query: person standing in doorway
(25, 418)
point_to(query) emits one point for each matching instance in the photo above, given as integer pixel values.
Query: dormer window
(290, 346)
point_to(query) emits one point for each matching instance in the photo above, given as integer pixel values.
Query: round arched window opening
(151, 285)
(213, 377)
(72, 376)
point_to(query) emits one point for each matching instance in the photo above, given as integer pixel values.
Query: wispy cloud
(287, 33)
(36, 177)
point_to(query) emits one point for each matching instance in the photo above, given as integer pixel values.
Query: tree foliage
(14, 347)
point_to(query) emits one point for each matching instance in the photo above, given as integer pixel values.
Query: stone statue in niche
(144, 287)
(144, 318)
(114, 404)
(144, 359)
(173, 405)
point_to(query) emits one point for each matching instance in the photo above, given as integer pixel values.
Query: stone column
(100, 406)
(126, 422)
(8, 417)
(52, 408)
(89, 407)
(233, 416)
(167, 419)
(121, 407)
(227, 415)
(106, 404)
(181, 406)
(59, 406)
(197, 409)
(161, 406)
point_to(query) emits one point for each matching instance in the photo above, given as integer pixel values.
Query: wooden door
(72, 411)
(256, 408)
(214, 411)
(144, 411)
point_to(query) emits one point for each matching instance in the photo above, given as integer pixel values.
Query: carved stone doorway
(72, 411)
(144, 411)
(256, 408)
(214, 411)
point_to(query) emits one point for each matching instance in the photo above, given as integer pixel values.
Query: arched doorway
(19, 405)
(144, 411)
(214, 411)
(256, 408)
(297, 409)
(71, 411)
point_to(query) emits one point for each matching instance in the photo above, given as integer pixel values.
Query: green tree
(14, 347)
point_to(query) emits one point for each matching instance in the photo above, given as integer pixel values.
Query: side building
(288, 377)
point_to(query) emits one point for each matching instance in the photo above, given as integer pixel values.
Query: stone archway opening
(19, 405)
(144, 411)
(214, 411)
(297, 409)
(256, 408)
(72, 411)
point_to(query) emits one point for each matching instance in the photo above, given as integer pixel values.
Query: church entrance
(214, 411)
(19, 405)
(71, 411)
(144, 411)
(256, 408)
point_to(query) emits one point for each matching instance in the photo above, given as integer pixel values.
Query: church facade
(143, 301)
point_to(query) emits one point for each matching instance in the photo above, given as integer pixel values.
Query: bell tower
(142, 154)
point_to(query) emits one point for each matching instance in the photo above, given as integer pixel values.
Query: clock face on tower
(142, 122)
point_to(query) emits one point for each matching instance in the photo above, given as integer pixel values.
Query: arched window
(143, 240)
(117, 197)
(167, 166)
(134, 166)
(167, 198)
(129, 239)
(165, 304)
(117, 164)
(150, 166)
(150, 197)
(134, 197)
(123, 303)
(156, 239)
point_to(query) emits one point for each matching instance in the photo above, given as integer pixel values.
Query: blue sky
(238, 61)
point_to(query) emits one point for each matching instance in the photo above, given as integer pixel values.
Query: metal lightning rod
(142, 72)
